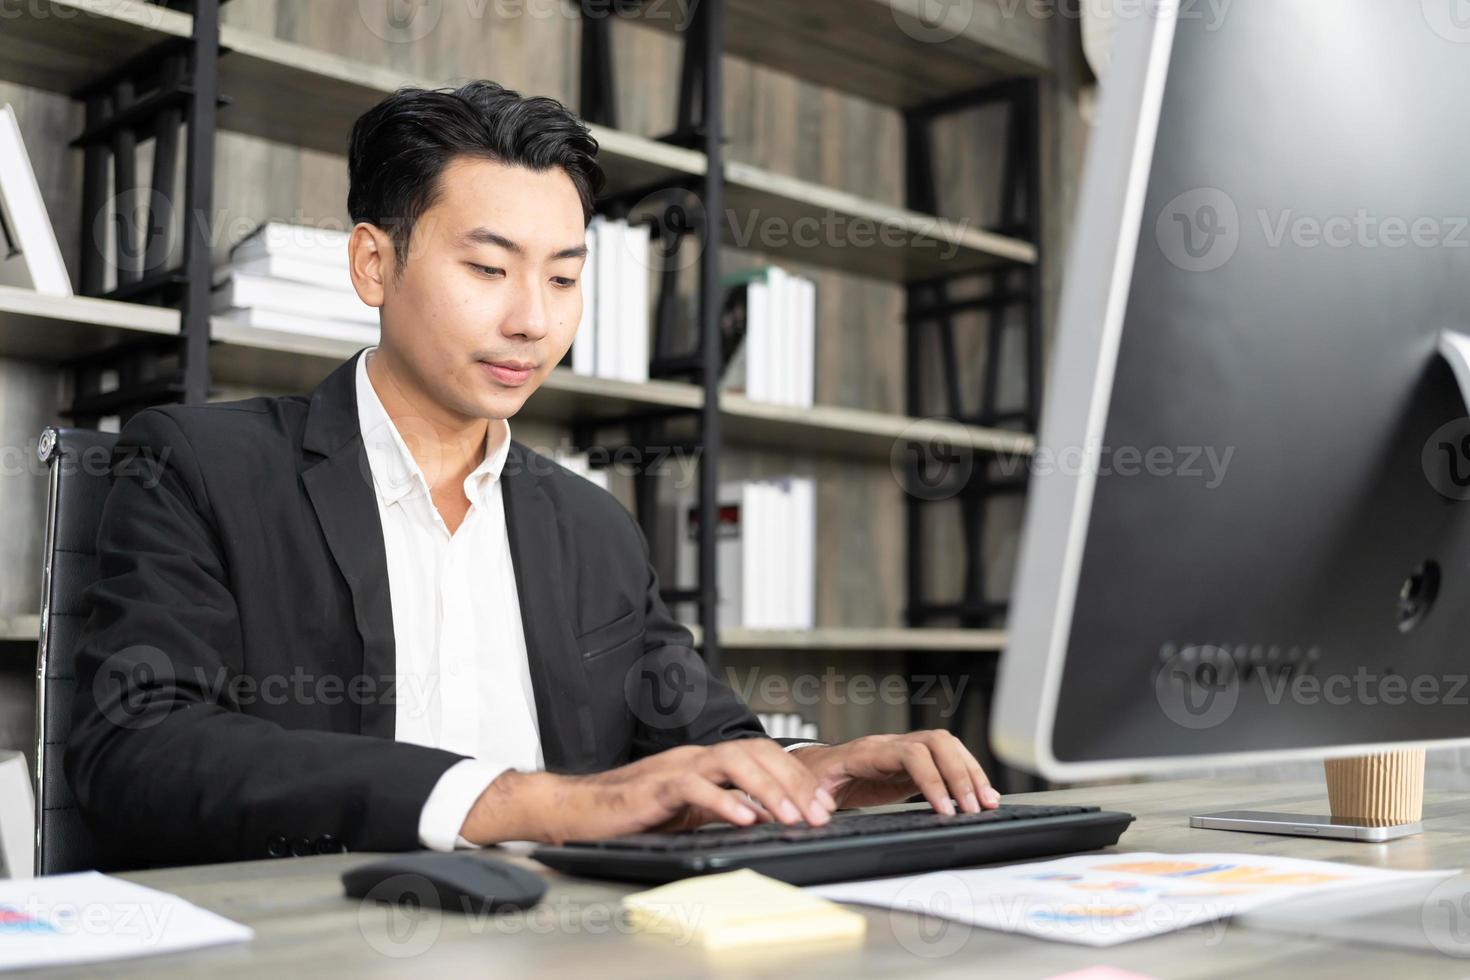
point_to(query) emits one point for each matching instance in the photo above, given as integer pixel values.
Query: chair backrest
(79, 480)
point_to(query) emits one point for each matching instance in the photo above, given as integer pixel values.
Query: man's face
(491, 294)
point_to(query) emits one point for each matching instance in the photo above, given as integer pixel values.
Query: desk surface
(304, 925)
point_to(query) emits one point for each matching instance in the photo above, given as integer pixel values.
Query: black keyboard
(853, 845)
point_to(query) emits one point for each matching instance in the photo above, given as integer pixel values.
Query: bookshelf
(298, 95)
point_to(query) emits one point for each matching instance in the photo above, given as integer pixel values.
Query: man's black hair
(400, 147)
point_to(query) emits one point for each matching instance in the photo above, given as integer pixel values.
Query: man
(368, 619)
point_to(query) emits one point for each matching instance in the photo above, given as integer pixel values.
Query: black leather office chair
(79, 480)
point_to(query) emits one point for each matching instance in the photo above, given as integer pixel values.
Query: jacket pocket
(610, 636)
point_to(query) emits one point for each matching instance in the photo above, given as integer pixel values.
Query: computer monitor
(1248, 536)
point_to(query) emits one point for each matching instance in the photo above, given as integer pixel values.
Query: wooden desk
(304, 925)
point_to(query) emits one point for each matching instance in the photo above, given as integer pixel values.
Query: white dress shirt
(463, 679)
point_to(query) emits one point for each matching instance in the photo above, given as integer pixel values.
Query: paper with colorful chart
(1105, 899)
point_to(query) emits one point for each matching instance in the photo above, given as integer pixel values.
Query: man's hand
(881, 769)
(678, 789)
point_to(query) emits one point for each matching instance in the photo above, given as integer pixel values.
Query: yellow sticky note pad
(740, 908)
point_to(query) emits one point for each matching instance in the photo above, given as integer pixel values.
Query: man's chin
(506, 402)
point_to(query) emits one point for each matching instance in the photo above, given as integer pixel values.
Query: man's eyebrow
(484, 236)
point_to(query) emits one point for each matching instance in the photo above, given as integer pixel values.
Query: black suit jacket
(234, 678)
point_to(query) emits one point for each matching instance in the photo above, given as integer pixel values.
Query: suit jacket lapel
(563, 709)
(339, 481)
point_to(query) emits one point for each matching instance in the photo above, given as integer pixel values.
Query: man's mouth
(510, 373)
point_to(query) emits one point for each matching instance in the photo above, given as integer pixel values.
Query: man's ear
(370, 259)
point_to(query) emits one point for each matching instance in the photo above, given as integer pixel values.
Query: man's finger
(952, 759)
(801, 783)
(696, 791)
(736, 767)
(919, 764)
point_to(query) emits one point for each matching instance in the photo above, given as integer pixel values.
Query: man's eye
(563, 281)
(487, 270)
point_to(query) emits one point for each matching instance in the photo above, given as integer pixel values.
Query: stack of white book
(776, 361)
(294, 279)
(788, 725)
(765, 555)
(612, 338)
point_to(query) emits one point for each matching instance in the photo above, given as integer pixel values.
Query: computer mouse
(453, 882)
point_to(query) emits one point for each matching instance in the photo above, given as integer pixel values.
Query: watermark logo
(1198, 687)
(1446, 459)
(933, 21)
(1450, 19)
(935, 899)
(678, 221)
(1445, 917)
(1199, 231)
(400, 21)
(129, 684)
(930, 467)
(399, 916)
(666, 688)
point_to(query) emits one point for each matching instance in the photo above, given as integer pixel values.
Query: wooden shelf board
(808, 223)
(59, 45)
(860, 638)
(53, 328)
(20, 629)
(299, 95)
(880, 49)
(836, 430)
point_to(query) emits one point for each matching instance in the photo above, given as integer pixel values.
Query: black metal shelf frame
(1011, 300)
(169, 92)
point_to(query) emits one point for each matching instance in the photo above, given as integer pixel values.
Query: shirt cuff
(450, 802)
(800, 745)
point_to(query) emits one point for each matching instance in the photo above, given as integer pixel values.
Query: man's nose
(527, 316)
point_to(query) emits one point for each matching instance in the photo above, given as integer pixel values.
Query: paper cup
(1383, 790)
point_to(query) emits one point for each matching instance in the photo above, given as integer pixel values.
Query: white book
(785, 558)
(244, 291)
(320, 274)
(309, 326)
(803, 498)
(794, 343)
(31, 259)
(17, 818)
(755, 521)
(609, 297)
(778, 330)
(633, 355)
(584, 347)
(757, 339)
(807, 337)
(302, 242)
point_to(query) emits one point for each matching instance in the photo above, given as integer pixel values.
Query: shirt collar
(396, 473)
